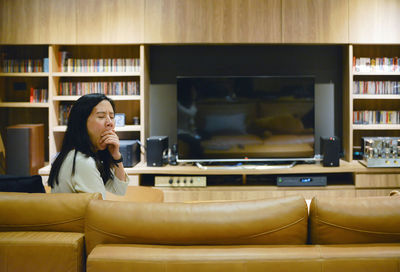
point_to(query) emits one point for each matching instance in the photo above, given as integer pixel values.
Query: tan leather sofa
(42, 232)
(340, 234)
(47, 232)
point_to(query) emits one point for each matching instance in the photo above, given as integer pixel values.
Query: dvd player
(292, 181)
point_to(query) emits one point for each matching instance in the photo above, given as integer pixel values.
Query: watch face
(119, 119)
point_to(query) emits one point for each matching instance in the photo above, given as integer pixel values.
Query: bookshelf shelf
(127, 128)
(113, 97)
(23, 105)
(376, 73)
(97, 74)
(376, 96)
(377, 127)
(24, 74)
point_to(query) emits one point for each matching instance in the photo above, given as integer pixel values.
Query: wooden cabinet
(314, 21)
(374, 21)
(209, 21)
(20, 22)
(59, 21)
(371, 110)
(71, 22)
(115, 22)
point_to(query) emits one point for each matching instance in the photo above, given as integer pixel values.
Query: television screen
(245, 118)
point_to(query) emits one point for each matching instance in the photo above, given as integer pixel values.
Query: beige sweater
(87, 178)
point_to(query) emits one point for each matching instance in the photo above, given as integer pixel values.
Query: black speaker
(156, 150)
(130, 151)
(330, 150)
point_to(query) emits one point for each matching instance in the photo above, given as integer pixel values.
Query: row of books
(376, 87)
(63, 113)
(24, 65)
(38, 95)
(376, 117)
(108, 88)
(376, 64)
(68, 64)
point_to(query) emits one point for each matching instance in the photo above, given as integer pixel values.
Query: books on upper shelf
(376, 87)
(383, 64)
(376, 117)
(105, 87)
(38, 95)
(68, 64)
(24, 65)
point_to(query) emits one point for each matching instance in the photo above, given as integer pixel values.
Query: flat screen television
(245, 118)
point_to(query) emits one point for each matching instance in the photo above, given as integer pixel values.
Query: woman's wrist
(118, 160)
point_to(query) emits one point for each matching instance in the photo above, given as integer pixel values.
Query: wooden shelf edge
(376, 96)
(377, 127)
(95, 74)
(127, 128)
(23, 105)
(33, 74)
(113, 97)
(376, 73)
(345, 167)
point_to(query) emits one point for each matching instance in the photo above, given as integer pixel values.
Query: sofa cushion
(355, 220)
(271, 258)
(266, 221)
(360, 257)
(41, 251)
(44, 212)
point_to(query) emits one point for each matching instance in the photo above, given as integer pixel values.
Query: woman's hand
(110, 139)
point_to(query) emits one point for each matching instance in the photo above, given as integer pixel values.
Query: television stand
(240, 166)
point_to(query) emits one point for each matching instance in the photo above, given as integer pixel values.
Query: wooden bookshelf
(353, 132)
(15, 87)
(131, 105)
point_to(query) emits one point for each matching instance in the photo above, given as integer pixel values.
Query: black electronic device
(157, 150)
(296, 181)
(330, 150)
(130, 151)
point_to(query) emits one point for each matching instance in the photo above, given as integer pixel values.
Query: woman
(89, 160)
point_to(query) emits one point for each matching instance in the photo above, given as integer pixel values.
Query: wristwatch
(119, 160)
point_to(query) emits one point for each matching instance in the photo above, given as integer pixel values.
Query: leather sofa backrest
(44, 212)
(355, 220)
(266, 221)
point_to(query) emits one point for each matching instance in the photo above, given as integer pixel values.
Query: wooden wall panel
(58, 21)
(315, 21)
(210, 21)
(20, 22)
(111, 22)
(374, 21)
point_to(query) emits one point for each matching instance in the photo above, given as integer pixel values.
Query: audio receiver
(180, 181)
(293, 181)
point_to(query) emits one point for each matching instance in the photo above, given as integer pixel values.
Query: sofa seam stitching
(249, 236)
(357, 230)
(105, 232)
(41, 225)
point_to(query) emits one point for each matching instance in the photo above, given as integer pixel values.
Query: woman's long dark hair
(77, 137)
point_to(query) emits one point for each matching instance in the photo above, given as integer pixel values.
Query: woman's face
(100, 119)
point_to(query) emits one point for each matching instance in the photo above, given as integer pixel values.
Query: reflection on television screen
(263, 117)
